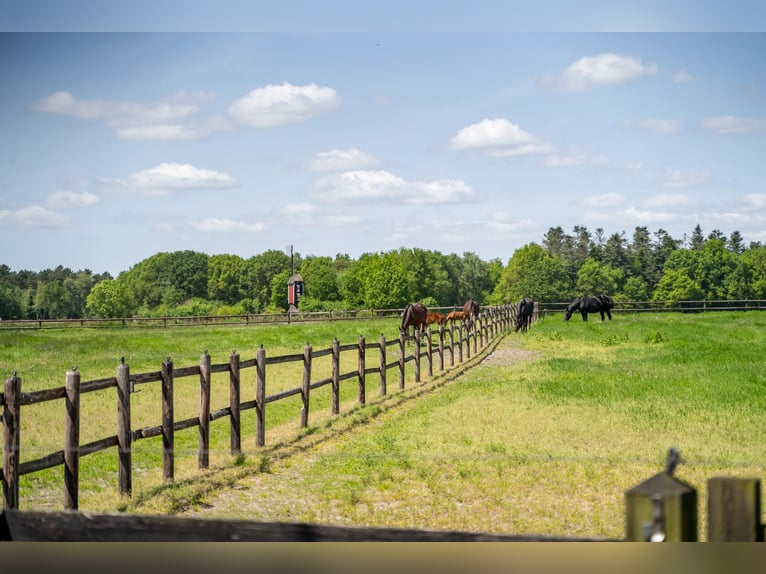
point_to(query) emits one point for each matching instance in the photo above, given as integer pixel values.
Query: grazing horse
(524, 310)
(471, 310)
(453, 316)
(437, 318)
(415, 315)
(586, 304)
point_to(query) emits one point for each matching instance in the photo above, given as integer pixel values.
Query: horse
(586, 304)
(471, 310)
(414, 314)
(437, 318)
(524, 310)
(453, 316)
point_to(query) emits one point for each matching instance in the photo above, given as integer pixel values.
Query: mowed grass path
(544, 446)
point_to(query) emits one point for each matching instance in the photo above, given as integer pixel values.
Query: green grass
(548, 446)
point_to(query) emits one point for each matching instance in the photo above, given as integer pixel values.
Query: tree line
(646, 267)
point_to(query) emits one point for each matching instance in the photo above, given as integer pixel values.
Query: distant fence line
(546, 308)
(451, 344)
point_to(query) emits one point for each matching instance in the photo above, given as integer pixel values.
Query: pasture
(543, 437)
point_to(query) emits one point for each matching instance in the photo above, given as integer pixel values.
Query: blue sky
(362, 130)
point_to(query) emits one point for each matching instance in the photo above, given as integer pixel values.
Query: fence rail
(491, 323)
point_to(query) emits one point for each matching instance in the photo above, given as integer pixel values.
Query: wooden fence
(451, 345)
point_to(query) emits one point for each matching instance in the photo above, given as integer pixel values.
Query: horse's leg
(608, 312)
(584, 315)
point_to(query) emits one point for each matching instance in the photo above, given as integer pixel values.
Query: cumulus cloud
(501, 222)
(33, 216)
(649, 217)
(342, 160)
(682, 77)
(379, 186)
(498, 138)
(277, 105)
(66, 199)
(734, 125)
(603, 70)
(130, 120)
(224, 225)
(168, 177)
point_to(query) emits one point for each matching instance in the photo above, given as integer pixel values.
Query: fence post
(429, 352)
(460, 343)
(234, 402)
(401, 360)
(203, 456)
(306, 385)
(11, 441)
(441, 347)
(72, 440)
(124, 437)
(168, 434)
(452, 346)
(417, 355)
(361, 376)
(734, 510)
(382, 365)
(260, 396)
(335, 376)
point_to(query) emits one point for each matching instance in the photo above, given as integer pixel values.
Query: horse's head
(571, 308)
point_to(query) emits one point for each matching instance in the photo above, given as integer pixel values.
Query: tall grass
(545, 446)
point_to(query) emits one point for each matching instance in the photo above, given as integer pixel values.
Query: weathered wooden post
(451, 346)
(662, 508)
(260, 396)
(460, 343)
(306, 385)
(361, 375)
(441, 347)
(734, 510)
(335, 376)
(124, 435)
(203, 456)
(429, 353)
(11, 441)
(401, 360)
(383, 368)
(417, 355)
(168, 420)
(72, 440)
(235, 424)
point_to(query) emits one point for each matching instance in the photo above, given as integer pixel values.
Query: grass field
(543, 437)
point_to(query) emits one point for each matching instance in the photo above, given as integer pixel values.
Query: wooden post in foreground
(734, 510)
(260, 396)
(72, 440)
(361, 375)
(306, 385)
(335, 376)
(402, 338)
(124, 437)
(168, 436)
(11, 441)
(235, 426)
(382, 365)
(203, 456)
(661, 509)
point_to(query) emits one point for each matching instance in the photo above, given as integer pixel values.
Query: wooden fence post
(661, 509)
(401, 360)
(429, 352)
(417, 355)
(124, 437)
(260, 396)
(11, 441)
(168, 420)
(361, 368)
(72, 440)
(480, 332)
(306, 385)
(382, 365)
(203, 456)
(335, 376)
(452, 346)
(460, 343)
(734, 510)
(441, 347)
(234, 402)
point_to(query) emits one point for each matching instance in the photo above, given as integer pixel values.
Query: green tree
(224, 278)
(531, 272)
(594, 278)
(110, 298)
(320, 280)
(675, 286)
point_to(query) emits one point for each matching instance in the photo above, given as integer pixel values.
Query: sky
(345, 127)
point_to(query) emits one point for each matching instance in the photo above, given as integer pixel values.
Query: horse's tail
(406, 316)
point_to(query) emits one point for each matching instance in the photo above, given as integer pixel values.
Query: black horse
(524, 310)
(586, 304)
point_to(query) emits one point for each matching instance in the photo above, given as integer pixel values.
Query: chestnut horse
(414, 314)
(437, 318)
(453, 316)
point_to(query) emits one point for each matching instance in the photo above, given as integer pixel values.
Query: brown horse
(437, 318)
(414, 314)
(471, 310)
(453, 316)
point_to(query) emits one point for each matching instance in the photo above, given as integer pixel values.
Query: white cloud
(676, 178)
(378, 186)
(152, 121)
(341, 220)
(501, 222)
(756, 200)
(342, 160)
(603, 70)
(274, 105)
(658, 125)
(65, 199)
(497, 133)
(682, 77)
(734, 125)
(168, 177)
(33, 216)
(664, 201)
(224, 225)
(649, 217)
(605, 200)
